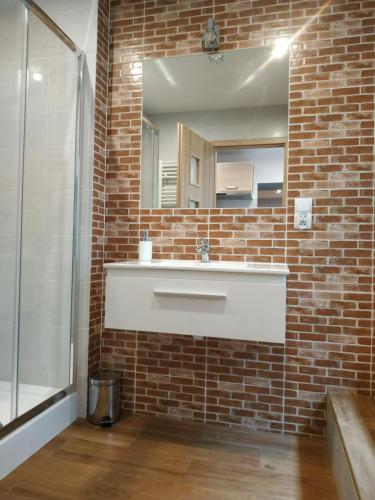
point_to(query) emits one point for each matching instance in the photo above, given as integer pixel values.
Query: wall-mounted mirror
(214, 130)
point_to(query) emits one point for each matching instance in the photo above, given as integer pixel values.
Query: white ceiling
(246, 78)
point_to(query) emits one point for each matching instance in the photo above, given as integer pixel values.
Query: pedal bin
(104, 397)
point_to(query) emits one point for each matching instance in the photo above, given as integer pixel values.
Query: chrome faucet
(203, 248)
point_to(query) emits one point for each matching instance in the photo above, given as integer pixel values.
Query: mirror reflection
(214, 130)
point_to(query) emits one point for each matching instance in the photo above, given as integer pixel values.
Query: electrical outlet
(303, 213)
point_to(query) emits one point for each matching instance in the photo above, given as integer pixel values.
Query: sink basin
(196, 265)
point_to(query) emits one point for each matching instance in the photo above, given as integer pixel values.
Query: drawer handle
(232, 187)
(190, 295)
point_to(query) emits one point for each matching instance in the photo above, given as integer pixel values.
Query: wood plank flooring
(355, 419)
(145, 458)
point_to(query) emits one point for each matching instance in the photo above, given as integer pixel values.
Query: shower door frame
(17, 421)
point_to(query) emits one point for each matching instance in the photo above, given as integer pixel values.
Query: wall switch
(302, 213)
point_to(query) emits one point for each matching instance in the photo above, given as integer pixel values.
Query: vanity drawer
(247, 310)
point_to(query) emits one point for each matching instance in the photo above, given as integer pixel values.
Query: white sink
(196, 265)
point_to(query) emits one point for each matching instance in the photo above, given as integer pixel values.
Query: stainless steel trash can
(104, 397)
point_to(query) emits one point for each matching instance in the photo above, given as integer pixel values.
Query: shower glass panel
(47, 218)
(150, 165)
(40, 142)
(12, 33)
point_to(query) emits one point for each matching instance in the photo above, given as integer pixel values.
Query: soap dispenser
(145, 248)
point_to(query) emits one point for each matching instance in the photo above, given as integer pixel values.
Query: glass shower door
(47, 235)
(150, 165)
(12, 29)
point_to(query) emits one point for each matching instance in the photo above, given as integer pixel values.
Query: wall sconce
(211, 35)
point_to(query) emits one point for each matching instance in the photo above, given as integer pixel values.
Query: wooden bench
(351, 439)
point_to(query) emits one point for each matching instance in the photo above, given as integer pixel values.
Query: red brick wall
(331, 138)
(331, 145)
(99, 174)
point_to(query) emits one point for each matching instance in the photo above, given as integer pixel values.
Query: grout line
(135, 373)
(105, 186)
(205, 384)
(20, 175)
(169, 383)
(141, 126)
(286, 235)
(372, 366)
(139, 210)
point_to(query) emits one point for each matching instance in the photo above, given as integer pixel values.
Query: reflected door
(196, 170)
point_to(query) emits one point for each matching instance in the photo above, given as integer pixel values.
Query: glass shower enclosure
(40, 107)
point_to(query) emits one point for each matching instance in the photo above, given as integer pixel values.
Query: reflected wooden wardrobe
(196, 170)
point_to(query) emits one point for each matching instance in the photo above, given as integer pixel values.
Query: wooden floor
(151, 458)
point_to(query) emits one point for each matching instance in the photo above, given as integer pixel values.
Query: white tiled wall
(11, 42)
(45, 300)
(85, 239)
(79, 21)
(47, 216)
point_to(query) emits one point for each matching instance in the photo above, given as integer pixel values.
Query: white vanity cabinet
(220, 299)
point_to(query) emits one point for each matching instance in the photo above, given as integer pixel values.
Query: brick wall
(99, 175)
(331, 140)
(331, 145)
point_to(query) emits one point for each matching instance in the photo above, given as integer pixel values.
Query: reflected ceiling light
(37, 76)
(166, 73)
(136, 68)
(280, 48)
(278, 191)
